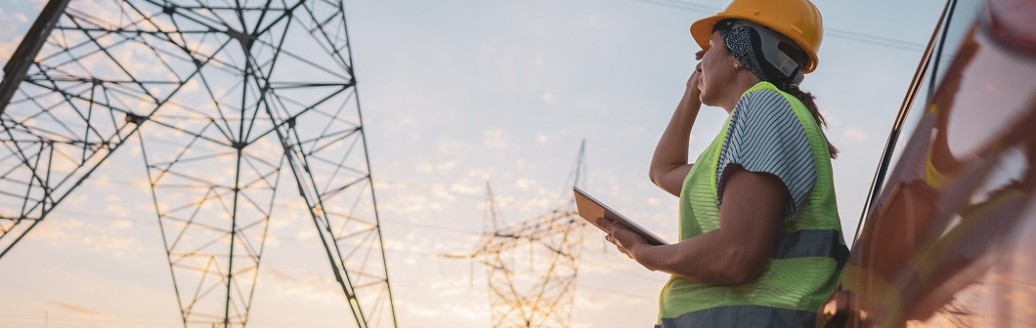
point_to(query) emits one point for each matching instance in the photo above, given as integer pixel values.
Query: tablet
(590, 209)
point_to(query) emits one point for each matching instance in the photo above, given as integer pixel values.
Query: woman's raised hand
(692, 82)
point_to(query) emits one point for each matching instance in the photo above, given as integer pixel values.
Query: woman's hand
(669, 164)
(692, 82)
(693, 93)
(626, 240)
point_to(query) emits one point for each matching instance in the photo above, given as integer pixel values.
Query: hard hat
(799, 20)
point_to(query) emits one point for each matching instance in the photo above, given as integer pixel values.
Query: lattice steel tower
(531, 267)
(221, 96)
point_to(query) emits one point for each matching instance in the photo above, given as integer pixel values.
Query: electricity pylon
(221, 96)
(531, 267)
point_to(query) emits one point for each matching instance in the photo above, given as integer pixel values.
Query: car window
(955, 26)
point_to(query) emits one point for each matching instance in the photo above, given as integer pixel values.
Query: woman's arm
(669, 164)
(737, 252)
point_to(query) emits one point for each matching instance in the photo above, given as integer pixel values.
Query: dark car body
(950, 240)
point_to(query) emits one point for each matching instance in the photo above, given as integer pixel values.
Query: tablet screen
(590, 209)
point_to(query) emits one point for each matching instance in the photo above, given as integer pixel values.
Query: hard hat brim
(701, 31)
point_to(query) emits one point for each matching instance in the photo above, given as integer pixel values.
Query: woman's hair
(807, 99)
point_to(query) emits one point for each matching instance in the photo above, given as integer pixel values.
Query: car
(949, 234)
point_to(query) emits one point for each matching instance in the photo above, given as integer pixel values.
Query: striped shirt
(765, 136)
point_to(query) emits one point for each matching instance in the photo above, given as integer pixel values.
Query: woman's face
(717, 71)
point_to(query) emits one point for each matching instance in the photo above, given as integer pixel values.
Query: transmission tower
(222, 98)
(531, 267)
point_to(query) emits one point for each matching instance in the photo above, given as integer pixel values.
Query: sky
(455, 94)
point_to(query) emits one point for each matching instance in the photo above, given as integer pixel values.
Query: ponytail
(807, 99)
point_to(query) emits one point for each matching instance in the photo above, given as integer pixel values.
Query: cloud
(549, 98)
(591, 21)
(541, 203)
(495, 139)
(833, 121)
(855, 134)
(541, 138)
(119, 247)
(597, 302)
(306, 286)
(437, 168)
(79, 310)
(7, 48)
(114, 209)
(525, 183)
(447, 166)
(447, 145)
(439, 310)
(466, 189)
(411, 204)
(60, 231)
(11, 33)
(121, 224)
(406, 122)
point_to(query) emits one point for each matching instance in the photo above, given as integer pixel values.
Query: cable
(419, 186)
(426, 226)
(875, 40)
(705, 9)
(834, 32)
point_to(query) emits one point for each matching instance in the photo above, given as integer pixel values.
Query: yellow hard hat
(799, 20)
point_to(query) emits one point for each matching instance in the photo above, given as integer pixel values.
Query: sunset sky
(455, 94)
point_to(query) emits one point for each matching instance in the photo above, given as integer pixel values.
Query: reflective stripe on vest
(742, 316)
(811, 243)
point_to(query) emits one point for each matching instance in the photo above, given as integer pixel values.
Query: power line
(585, 260)
(834, 32)
(383, 180)
(705, 9)
(155, 222)
(875, 40)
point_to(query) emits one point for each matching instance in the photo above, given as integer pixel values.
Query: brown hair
(807, 99)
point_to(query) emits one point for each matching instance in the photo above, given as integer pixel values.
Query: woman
(760, 240)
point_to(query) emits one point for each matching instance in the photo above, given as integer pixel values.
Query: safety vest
(806, 262)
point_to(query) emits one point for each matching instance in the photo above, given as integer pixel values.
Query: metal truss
(542, 296)
(222, 97)
(531, 267)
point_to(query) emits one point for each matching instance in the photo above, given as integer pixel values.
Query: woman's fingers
(612, 230)
(606, 224)
(623, 250)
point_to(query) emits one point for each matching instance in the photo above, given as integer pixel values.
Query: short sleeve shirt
(765, 136)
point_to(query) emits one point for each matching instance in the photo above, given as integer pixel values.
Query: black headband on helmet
(767, 54)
